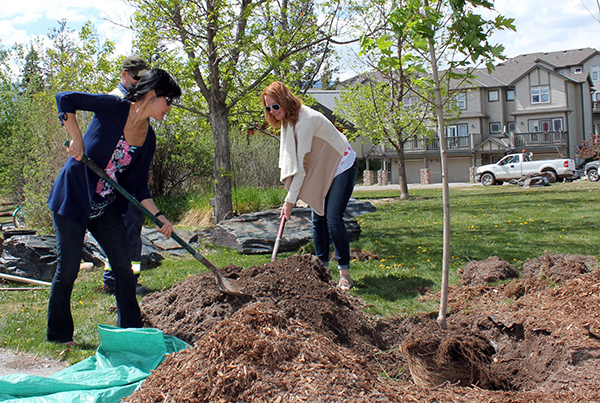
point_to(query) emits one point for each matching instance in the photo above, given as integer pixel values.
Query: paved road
(415, 186)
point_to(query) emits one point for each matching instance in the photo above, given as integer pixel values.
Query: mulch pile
(295, 337)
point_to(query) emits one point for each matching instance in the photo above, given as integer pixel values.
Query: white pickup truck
(515, 166)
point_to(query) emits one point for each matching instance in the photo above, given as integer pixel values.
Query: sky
(542, 25)
(23, 20)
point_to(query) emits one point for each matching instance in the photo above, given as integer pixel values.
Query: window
(540, 94)
(510, 159)
(461, 100)
(595, 73)
(563, 72)
(495, 127)
(577, 70)
(493, 96)
(510, 94)
(457, 130)
(512, 128)
(409, 102)
(557, 124)
(533, 125)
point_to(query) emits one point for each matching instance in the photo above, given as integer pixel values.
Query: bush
(254, 159)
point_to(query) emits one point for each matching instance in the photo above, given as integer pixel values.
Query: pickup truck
(515, 166)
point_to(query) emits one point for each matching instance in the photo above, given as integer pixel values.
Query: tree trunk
(402, 181)
(441, 320)
(222, 174)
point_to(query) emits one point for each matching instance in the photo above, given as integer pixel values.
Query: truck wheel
(488, 179)
(592, 175)
(552, 176)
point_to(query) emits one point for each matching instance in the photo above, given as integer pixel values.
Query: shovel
(278, 240)
(228, 286)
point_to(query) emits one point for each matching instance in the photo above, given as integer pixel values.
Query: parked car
(515, 166)
(577, 174)
(591, 170)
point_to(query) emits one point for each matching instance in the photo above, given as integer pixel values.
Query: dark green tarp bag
(123, 361)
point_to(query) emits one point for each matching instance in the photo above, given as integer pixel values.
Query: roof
(509, 71)
(327, 98)
(563, 58)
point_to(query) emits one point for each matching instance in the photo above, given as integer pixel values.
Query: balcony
(515, 141)
(542, 139)
(416, 146)
(452, 143)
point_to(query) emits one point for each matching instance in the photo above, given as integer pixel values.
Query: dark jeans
(133, 220)
(331, 225)
(111, 234)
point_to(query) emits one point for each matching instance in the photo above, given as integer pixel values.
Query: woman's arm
(69, 103)
(75, 148)
(305, 131)
(167, 227)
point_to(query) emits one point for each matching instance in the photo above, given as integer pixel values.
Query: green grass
(510, 222)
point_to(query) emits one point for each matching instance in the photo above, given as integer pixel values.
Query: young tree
(383, 111)
(230, 49)
(447, 39)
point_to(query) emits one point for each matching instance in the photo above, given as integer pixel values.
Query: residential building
(544, 103)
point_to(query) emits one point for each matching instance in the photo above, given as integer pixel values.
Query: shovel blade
(227, 285)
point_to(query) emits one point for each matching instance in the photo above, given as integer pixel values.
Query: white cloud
(547, 25)
(23, 20)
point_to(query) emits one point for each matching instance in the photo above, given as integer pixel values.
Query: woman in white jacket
(318, 166)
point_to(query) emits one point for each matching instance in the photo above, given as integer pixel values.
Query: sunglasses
(169, 100)
(274, 106)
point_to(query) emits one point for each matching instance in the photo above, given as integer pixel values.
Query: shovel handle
(281, 225)
(101, 173)
(226, 285)
(278, 240)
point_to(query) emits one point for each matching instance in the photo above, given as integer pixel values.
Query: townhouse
(544, 103)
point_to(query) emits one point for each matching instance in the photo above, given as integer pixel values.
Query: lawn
(510, 222)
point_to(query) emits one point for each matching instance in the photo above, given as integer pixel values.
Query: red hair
(286, 99)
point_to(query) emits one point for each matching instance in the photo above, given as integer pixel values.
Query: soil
(30, 364)
(295, 337)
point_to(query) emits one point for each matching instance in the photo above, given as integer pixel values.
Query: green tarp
(122, 362)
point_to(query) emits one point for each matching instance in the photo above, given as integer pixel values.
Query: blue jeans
(134, 221)
(331, 225)
(111, 234)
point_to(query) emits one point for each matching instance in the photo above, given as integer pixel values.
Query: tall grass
(510, 222)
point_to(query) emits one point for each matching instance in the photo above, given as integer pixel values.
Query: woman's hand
(167, 227)
(286, 210)
(76, 149)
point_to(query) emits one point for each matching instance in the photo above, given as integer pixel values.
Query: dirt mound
(558, 267)
(263, 355)
(295, 337)
(300, 287)
(487, 271)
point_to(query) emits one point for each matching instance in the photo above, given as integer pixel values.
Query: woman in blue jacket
(121, 140)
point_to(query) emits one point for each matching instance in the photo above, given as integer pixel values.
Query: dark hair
(286, 99)
(158, 80)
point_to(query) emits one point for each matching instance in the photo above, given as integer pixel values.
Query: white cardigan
(309, 156)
